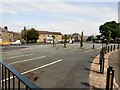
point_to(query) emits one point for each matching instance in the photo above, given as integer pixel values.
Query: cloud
(60, 1)
(70, 17)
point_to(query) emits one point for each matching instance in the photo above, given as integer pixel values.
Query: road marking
(9, 52)
(12, 53)
(46, 65)
(18, 56)
(26, 60)
(88, 50)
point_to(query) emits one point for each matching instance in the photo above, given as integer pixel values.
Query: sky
(65, 16)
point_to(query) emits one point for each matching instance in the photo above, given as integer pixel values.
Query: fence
(12, 79)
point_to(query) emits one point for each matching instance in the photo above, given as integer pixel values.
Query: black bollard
(108, 49)
(93, 46)
(109, 78)
(118, 46)
(114, 48)
(102, 65)
(111, 48)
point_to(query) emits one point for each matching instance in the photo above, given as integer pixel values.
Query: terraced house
(43, 35)
(6, 37)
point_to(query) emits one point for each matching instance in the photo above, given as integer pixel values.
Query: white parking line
(12, 53)
(46, 65)
(26, 60)
(88, 50)
(18, 56)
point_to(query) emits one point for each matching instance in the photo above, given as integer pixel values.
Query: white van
(49, 40)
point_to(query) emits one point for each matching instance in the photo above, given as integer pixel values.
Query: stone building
(44, 34)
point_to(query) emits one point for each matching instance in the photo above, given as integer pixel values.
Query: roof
(4, 30)
(47, 32)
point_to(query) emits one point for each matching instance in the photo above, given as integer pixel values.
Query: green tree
(32, 35)
(108, 37)
(114, 30)
(82, 40)
(90, 38)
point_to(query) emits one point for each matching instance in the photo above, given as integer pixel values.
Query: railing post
(9, 73)
(2, 77)
(109, 78)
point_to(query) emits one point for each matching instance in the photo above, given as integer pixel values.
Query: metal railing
(12, 79)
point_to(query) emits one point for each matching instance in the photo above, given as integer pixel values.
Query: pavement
(97, 80)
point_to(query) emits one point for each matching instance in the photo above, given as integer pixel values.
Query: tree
(32, 35)
(90, 38)
(65, 41)
(108, 37)
(82, 40)
(114, 30)
(53, 40)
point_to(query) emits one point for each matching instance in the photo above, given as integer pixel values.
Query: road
(53, 67)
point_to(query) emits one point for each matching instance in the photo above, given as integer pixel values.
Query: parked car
(18, 42)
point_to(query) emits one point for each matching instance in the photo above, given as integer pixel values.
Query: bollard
(93, 46)
(109, 78)
(102, 65)
(111, 48)
(108, 49)
(100, 57)
(114, 48)
(118, 46)
(105, 50)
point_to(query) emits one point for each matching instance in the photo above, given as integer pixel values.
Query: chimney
(24, 28)
(6, 28)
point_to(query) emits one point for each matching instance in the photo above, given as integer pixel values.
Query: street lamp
(25, 34)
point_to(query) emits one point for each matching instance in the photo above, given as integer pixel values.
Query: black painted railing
(11, 79)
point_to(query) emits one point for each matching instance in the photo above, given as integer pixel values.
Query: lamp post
(25, 35)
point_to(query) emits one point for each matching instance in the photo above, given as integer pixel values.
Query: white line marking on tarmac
(26, 60)
(18, 56)
(12, 53)
(46, 65)
(88, 50)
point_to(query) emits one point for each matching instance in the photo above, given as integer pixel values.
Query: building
(6, 37)
(45, 34)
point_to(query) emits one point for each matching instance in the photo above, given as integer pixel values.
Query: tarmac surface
(54, 67)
